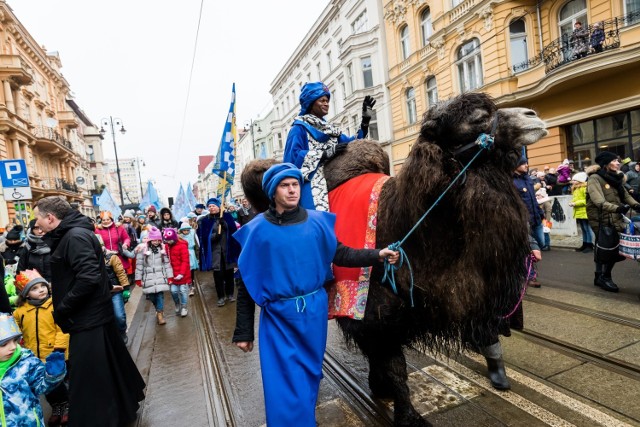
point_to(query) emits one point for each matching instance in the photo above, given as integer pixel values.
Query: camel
(468, 256)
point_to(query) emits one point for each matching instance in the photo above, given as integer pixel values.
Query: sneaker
(192, 291)
(231, 298)
(220, 302)
(178, 309)
(56, 414)
(183, 312)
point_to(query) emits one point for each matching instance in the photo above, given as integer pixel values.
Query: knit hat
(170, 235)
(200, 206)
(522, 161)
(185, 226)
(105, 214)
(580, 177)
(25, 281)
(309, 93)
(142, 216)
(605, 157)
(8, 328)
(154, 234)
(152, 208)
(213, 201)
(129, 214)
(15, 233)
(192, 215)
(277, 173)
(626, 160)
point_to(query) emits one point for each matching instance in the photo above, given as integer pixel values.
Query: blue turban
(309, 93)
(277, 173)
(213, 201)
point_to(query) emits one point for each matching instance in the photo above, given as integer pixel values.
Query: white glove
(178, 277)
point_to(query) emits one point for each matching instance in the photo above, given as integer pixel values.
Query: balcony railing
(59, 184)
(569, 48)
(51, 134)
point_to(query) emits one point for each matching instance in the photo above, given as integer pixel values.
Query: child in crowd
(119, 281)
(154, 272)
(179, 257)
(579, 204)
(188, 235)
(23, 377)
(41, 335)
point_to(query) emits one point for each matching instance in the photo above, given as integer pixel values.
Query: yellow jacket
(41, 334)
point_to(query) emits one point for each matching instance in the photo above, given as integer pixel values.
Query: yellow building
(36, 122)
(583, 82)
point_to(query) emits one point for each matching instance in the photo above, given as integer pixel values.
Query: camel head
(456, 122)
(251, 180)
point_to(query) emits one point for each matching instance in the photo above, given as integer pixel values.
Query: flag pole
(224, 186)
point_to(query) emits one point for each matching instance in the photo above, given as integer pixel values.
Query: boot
(607, 284)
(588, 248)
(160, 317)
(581, 248)
(495, 366)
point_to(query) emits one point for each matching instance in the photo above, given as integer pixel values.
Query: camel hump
(361, 156)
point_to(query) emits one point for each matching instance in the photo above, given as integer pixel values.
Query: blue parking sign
(14, 173)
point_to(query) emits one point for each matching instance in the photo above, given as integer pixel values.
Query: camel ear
(429, 129)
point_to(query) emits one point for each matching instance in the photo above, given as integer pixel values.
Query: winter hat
(170, 235)
(277, 173)
(25, 281)
(8, 328)
(105, 214)
(154, 234)
(142, 217)
(152, 209)
(185, 226)
(522, 161)
(192, 215)
(605, 157)
(580, 177)
(200, 205)
(15, 233)
(309, 93)
(565, 162)
(213, 201)
(129, 214)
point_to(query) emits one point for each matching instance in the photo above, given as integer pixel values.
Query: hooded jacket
(172, 223)
(40, 333)
(80, 286)
(603, 201)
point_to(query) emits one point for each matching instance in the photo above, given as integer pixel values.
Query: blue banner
(150, 198)
(191, 198)
(224, 166)
(181, 205)
(106, 203)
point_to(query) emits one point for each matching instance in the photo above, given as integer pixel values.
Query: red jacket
(179, 257)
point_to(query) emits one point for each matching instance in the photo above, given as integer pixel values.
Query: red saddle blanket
(355, 204)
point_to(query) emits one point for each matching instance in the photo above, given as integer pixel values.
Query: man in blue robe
(289, 286)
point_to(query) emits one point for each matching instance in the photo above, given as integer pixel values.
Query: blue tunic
(284, 269)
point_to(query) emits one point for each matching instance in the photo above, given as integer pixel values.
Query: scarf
(6, 364)
(36, 245)
(616, 180)
(322, 136)
(38, 302)
(155, 249)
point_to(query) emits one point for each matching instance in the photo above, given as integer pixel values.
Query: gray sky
(131, 59)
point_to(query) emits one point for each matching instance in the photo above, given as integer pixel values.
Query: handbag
(607, 243)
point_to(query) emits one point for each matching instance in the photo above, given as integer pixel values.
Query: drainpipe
(540, 29)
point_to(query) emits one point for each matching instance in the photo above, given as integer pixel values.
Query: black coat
(31, 260)
(80, 285)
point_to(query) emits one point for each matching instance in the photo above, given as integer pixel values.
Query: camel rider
(289, 286)
(312, 141)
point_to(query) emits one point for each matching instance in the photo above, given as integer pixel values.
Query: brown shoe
(160, 316)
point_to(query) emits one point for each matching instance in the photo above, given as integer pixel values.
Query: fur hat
(213, 201)
(185, 226)
(277, 173)
(152, 208)
(25, 281)
(15, 233)
(170, 235)
(154, 234)
(8, 328)
(605, 157)
(309, 93)
(580, 177)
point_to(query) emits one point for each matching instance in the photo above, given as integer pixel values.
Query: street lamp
(118, 122)
(139, 176)
(250, 124)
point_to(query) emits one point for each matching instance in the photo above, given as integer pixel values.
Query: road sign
(14, 173)
(17, 193)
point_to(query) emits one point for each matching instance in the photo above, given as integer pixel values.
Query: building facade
(130, 176)
(527, 54)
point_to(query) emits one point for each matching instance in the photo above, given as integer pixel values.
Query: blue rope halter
(484, 142)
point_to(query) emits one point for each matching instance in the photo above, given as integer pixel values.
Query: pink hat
(154, 234)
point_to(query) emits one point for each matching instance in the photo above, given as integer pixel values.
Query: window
(431, 91)
(412, 115)
(344, 89)
(360, 24)
(356, 122)
(350, 85)
(367, 72)
(339, 47)
(329, 61)
(319, 70)
(518, 45)
(632, 11)
(92, 153)
(455, 3)
(469, 66)
(308, 77)
(426, 26)
(573, 11)
(404, 42)
(373, 127)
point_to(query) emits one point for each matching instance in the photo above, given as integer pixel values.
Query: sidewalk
(569, 242)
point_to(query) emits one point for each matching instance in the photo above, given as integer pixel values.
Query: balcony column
(18, 103)
(16, 148)
(8, 96)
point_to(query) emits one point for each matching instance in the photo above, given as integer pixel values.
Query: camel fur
(468, 256)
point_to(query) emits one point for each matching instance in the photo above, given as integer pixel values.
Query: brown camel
(468, 256)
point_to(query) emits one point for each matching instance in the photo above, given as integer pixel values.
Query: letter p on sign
(12, 168)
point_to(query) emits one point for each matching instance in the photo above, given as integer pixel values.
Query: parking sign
(14, 173)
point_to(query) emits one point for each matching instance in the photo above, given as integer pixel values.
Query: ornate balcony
(58, 184)
(45, 133)
(13, 66)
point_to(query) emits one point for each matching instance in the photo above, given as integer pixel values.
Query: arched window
(404, 42)
(470, 65)
(518, 44)
(412, 112)
(431, 90)
(426, 26)
(573, 11)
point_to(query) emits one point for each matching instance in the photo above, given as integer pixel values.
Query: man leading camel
(285, 261)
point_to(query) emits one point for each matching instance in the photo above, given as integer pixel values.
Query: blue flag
(181, 205)
(106, 203)
(191, 198)
(150, 198)
(225, 166)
